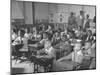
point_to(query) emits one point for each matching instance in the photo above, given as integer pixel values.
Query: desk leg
(35, 68)
(45, 69)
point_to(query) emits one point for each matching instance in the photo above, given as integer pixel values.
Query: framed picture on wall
(52, 37)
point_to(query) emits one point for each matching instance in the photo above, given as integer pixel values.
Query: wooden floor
(24, 67)
(28, 67)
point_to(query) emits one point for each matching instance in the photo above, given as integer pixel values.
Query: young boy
(63, 48)
(48, 49)
(75, 57)
(90, 52)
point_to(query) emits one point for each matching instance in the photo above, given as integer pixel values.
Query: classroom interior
(52, 37)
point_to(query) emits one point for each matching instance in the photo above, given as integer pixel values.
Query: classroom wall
(17, 10)
(43, 11)
(64, 10)
(53, 8)
(90, 10)
(28, 13)
(22, 10)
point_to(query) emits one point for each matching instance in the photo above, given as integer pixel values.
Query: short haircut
(72, 13)
(88, 42)
(48, 35)
(14, 30)
(78, 43)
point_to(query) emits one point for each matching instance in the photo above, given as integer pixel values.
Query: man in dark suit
(71, 21)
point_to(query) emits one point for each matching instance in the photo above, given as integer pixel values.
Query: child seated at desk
(56, 38)
(89, 49)
(48, 49)
(14, 34)
(90, 52)
(19, 39)
(18, 42)
(75, 57)
(26, 35)
(63, 46)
